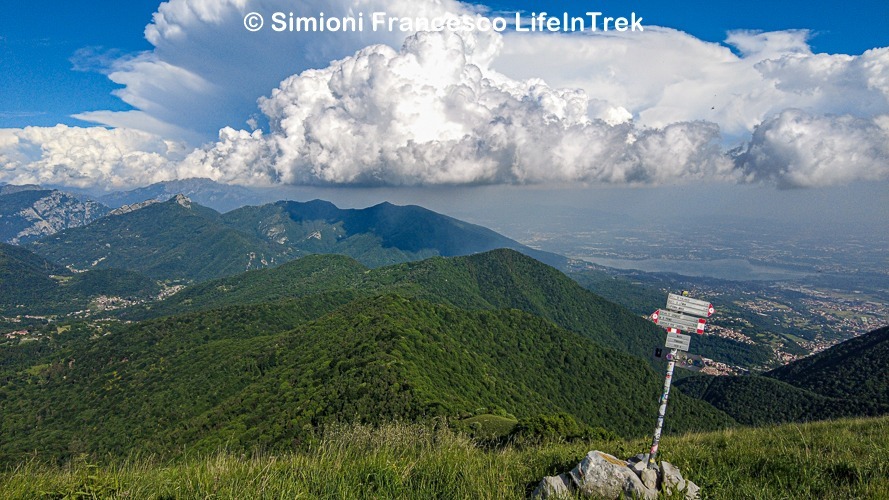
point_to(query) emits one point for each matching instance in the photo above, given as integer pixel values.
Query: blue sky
(851, 29)
(37, 42)
(39, 38)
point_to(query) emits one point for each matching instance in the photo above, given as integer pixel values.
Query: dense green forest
(171, 240)
(759, 400)
(857, 368)
(849, 379)
(266, 359)
(491, 280)
(268, 375)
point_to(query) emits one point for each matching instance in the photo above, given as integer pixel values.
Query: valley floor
(838, 459)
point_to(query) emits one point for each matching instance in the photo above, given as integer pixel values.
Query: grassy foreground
(840, 459)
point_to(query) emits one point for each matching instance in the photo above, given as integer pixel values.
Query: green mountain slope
(849, 379)
(857, 368)
(297, 278)
(379, 235)
(243, 377)
(30, 284)
(758, 400)
(24, 277)
(175, 239)
(492, 280)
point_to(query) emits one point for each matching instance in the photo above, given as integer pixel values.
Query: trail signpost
(677, 341)
(681, 314)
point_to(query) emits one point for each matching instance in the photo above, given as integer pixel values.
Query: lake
(728, 269)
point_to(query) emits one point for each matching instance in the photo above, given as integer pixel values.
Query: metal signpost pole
(671, 363)
(675, 320)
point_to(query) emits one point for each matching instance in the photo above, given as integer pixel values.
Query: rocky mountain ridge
(28, 213)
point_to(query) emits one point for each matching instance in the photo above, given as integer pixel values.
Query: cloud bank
(86, 157)
(466, 108)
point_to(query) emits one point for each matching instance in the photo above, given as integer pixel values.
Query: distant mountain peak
(179, 199)
(183, 200)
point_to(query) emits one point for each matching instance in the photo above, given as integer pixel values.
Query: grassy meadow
(838, 459)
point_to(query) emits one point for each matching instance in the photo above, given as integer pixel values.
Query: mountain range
(182, 240)
(298, 315)
(219, 197)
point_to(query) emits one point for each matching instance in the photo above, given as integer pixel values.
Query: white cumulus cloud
(86, 157)
(664, 76)
(428, 115)
(206, 70)
(797, 149)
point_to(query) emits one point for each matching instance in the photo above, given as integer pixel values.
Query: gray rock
(560, 486)
(671, 478)
(649, 478)
(601, 475)
(637, 468)
(637, 463)
(692, 491)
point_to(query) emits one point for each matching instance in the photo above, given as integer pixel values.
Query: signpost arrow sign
(679, 321)
(688, 305)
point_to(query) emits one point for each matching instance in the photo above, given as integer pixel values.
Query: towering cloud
(206, 71)
(428, 114)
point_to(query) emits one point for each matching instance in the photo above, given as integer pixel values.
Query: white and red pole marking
(701, 323)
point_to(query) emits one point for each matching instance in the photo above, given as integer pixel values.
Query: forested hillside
(268, 375)
(849, 379)
(491, 280)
